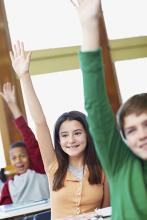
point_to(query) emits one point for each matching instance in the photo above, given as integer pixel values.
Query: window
(43, 24)
(58, 93)
(131, 76)
(125, 18)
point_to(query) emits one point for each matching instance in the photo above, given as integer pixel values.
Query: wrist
(11, 105)
(15, 110)
(90, 25)
(24, 76)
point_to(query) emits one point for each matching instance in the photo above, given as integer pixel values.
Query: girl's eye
(63, 135)
(78, 133)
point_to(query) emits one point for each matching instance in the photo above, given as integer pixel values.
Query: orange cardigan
(76, 197)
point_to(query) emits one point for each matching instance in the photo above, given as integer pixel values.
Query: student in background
(30, 184)
(77, 183)
(123, 154)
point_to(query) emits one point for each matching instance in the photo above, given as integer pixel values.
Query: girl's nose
(71, 139)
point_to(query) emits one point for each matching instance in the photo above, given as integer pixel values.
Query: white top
(29, 187)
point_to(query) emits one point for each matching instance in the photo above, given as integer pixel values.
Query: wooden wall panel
(9, 132)
(110, 74)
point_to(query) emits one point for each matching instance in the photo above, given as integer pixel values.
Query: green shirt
(126, 173)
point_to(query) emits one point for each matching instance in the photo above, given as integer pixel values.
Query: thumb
(29, 56)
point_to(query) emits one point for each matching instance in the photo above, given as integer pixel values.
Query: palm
(20, 65)
(87, 9)
(20, 60)
(9, 97)
(8, 93)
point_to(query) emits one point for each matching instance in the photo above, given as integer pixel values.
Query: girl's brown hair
(90, 159)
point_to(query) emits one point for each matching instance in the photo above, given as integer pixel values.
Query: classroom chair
(28, 217)
(43, 215)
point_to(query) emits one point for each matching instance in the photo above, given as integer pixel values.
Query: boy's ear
(122, 136)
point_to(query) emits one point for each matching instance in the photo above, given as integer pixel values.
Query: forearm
(14, 110)
(90, 32)
(32, 100)
(26, 132)
(42, 130)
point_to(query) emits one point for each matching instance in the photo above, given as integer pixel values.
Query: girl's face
(72, 138)
(19, 159)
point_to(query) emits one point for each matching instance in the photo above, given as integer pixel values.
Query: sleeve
(109, 145)
(31, 144)
(5, 197)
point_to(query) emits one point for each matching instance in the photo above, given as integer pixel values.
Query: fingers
(18, 50)
(7, 87)
(15, 52)
(29, 56)
(13, 89)
(75, 3)
(22, 51)
(8, 92)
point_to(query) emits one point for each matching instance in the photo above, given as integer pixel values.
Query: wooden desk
(24, 210)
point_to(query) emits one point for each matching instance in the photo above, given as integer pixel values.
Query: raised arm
(108, 143)
(30, 141)
(21, 62)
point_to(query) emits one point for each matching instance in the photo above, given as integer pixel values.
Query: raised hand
(87, 9)
(89, 12)
(9, 96)
(20, 60)
(8, 93)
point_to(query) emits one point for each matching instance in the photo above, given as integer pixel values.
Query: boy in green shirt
(123, 153)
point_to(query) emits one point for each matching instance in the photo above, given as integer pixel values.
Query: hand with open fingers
(8, 93)
(20, 60)
(87, 9)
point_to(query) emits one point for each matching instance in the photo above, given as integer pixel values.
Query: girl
(77, 183)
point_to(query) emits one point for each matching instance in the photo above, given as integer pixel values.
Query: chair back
(43, 215)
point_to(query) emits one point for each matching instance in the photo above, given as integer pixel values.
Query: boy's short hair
(137, 104)
(17, 144)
